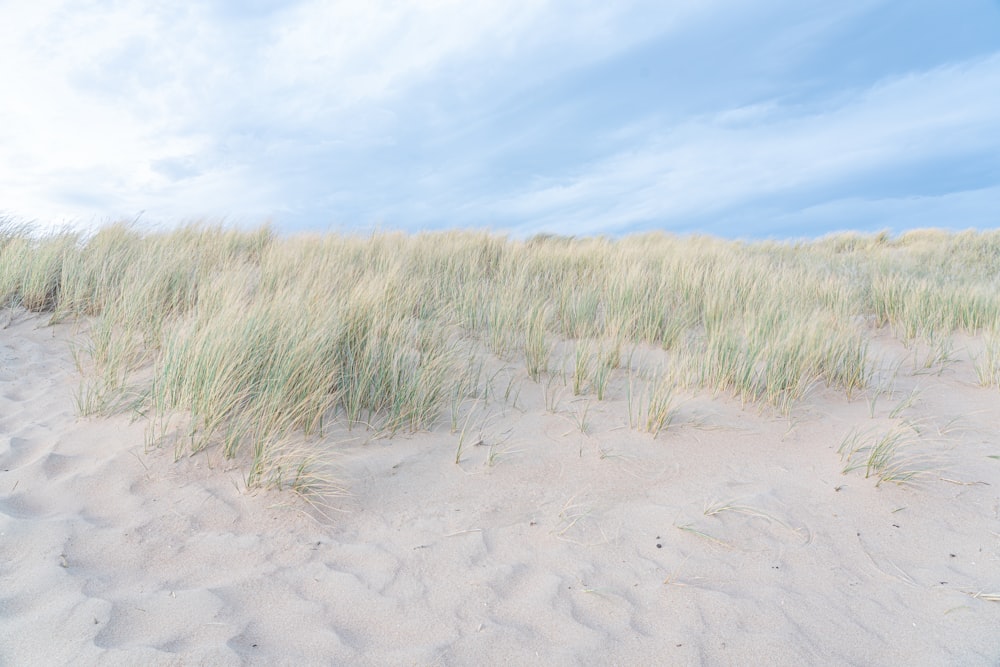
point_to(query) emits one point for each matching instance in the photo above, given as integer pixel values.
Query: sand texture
(562, 537)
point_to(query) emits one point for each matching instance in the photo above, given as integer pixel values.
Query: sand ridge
(562, 537)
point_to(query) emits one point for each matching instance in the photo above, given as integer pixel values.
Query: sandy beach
(561, 537)
(435, 333)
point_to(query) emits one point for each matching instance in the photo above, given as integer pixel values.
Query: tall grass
(245, 339)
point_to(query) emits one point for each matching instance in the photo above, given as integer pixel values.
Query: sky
(763, 119)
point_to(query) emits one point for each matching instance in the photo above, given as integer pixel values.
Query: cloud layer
(764, 119)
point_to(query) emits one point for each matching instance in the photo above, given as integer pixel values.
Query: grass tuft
(886, 456)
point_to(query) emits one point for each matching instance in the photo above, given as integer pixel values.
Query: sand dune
(562, 537)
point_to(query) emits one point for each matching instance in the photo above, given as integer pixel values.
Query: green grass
(244, 339)
(888, 456)
(987, 363)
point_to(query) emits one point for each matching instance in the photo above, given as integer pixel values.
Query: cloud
(106, 95)
(735, 157)
(555, 114)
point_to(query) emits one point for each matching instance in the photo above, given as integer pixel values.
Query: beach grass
(243, 339)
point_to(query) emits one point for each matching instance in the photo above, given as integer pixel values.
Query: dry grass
(244, 339)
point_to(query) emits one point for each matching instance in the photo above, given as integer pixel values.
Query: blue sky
(771, 118)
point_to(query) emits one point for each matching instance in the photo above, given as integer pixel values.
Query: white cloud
(112, 108)
(736, 156)
(77, 125)
(100, 96)
(349, 53)
(328, 60)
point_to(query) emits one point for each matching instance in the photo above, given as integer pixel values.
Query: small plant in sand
(885, 456)
(987, 363)
(583, 361)
(651, 403)
(465, 434)
(512, 392)
(633, 396)
(553, 393)
(494, 451)
(660, 408)
(579, 416)
(304, 467)
(536, 346)
(608, 359)
(935, 357)
(908, 402)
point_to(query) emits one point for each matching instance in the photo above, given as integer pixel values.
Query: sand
(733, 538)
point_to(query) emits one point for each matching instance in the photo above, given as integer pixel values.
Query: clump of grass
(885, 455)
(31, 268)
(300, 467)
(608, 359)
(553, 394)
(987, 364)
(660, 409)
(537, 349)
(580, 418)
(583, 362)
(651, 401)
(936, 358)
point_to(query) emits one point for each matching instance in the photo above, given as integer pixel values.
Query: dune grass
(887, 456)
(243, 339)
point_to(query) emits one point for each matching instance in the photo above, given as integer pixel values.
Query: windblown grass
(244, 339)
(887, 456)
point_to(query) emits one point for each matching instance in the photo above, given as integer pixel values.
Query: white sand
(572, 548)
